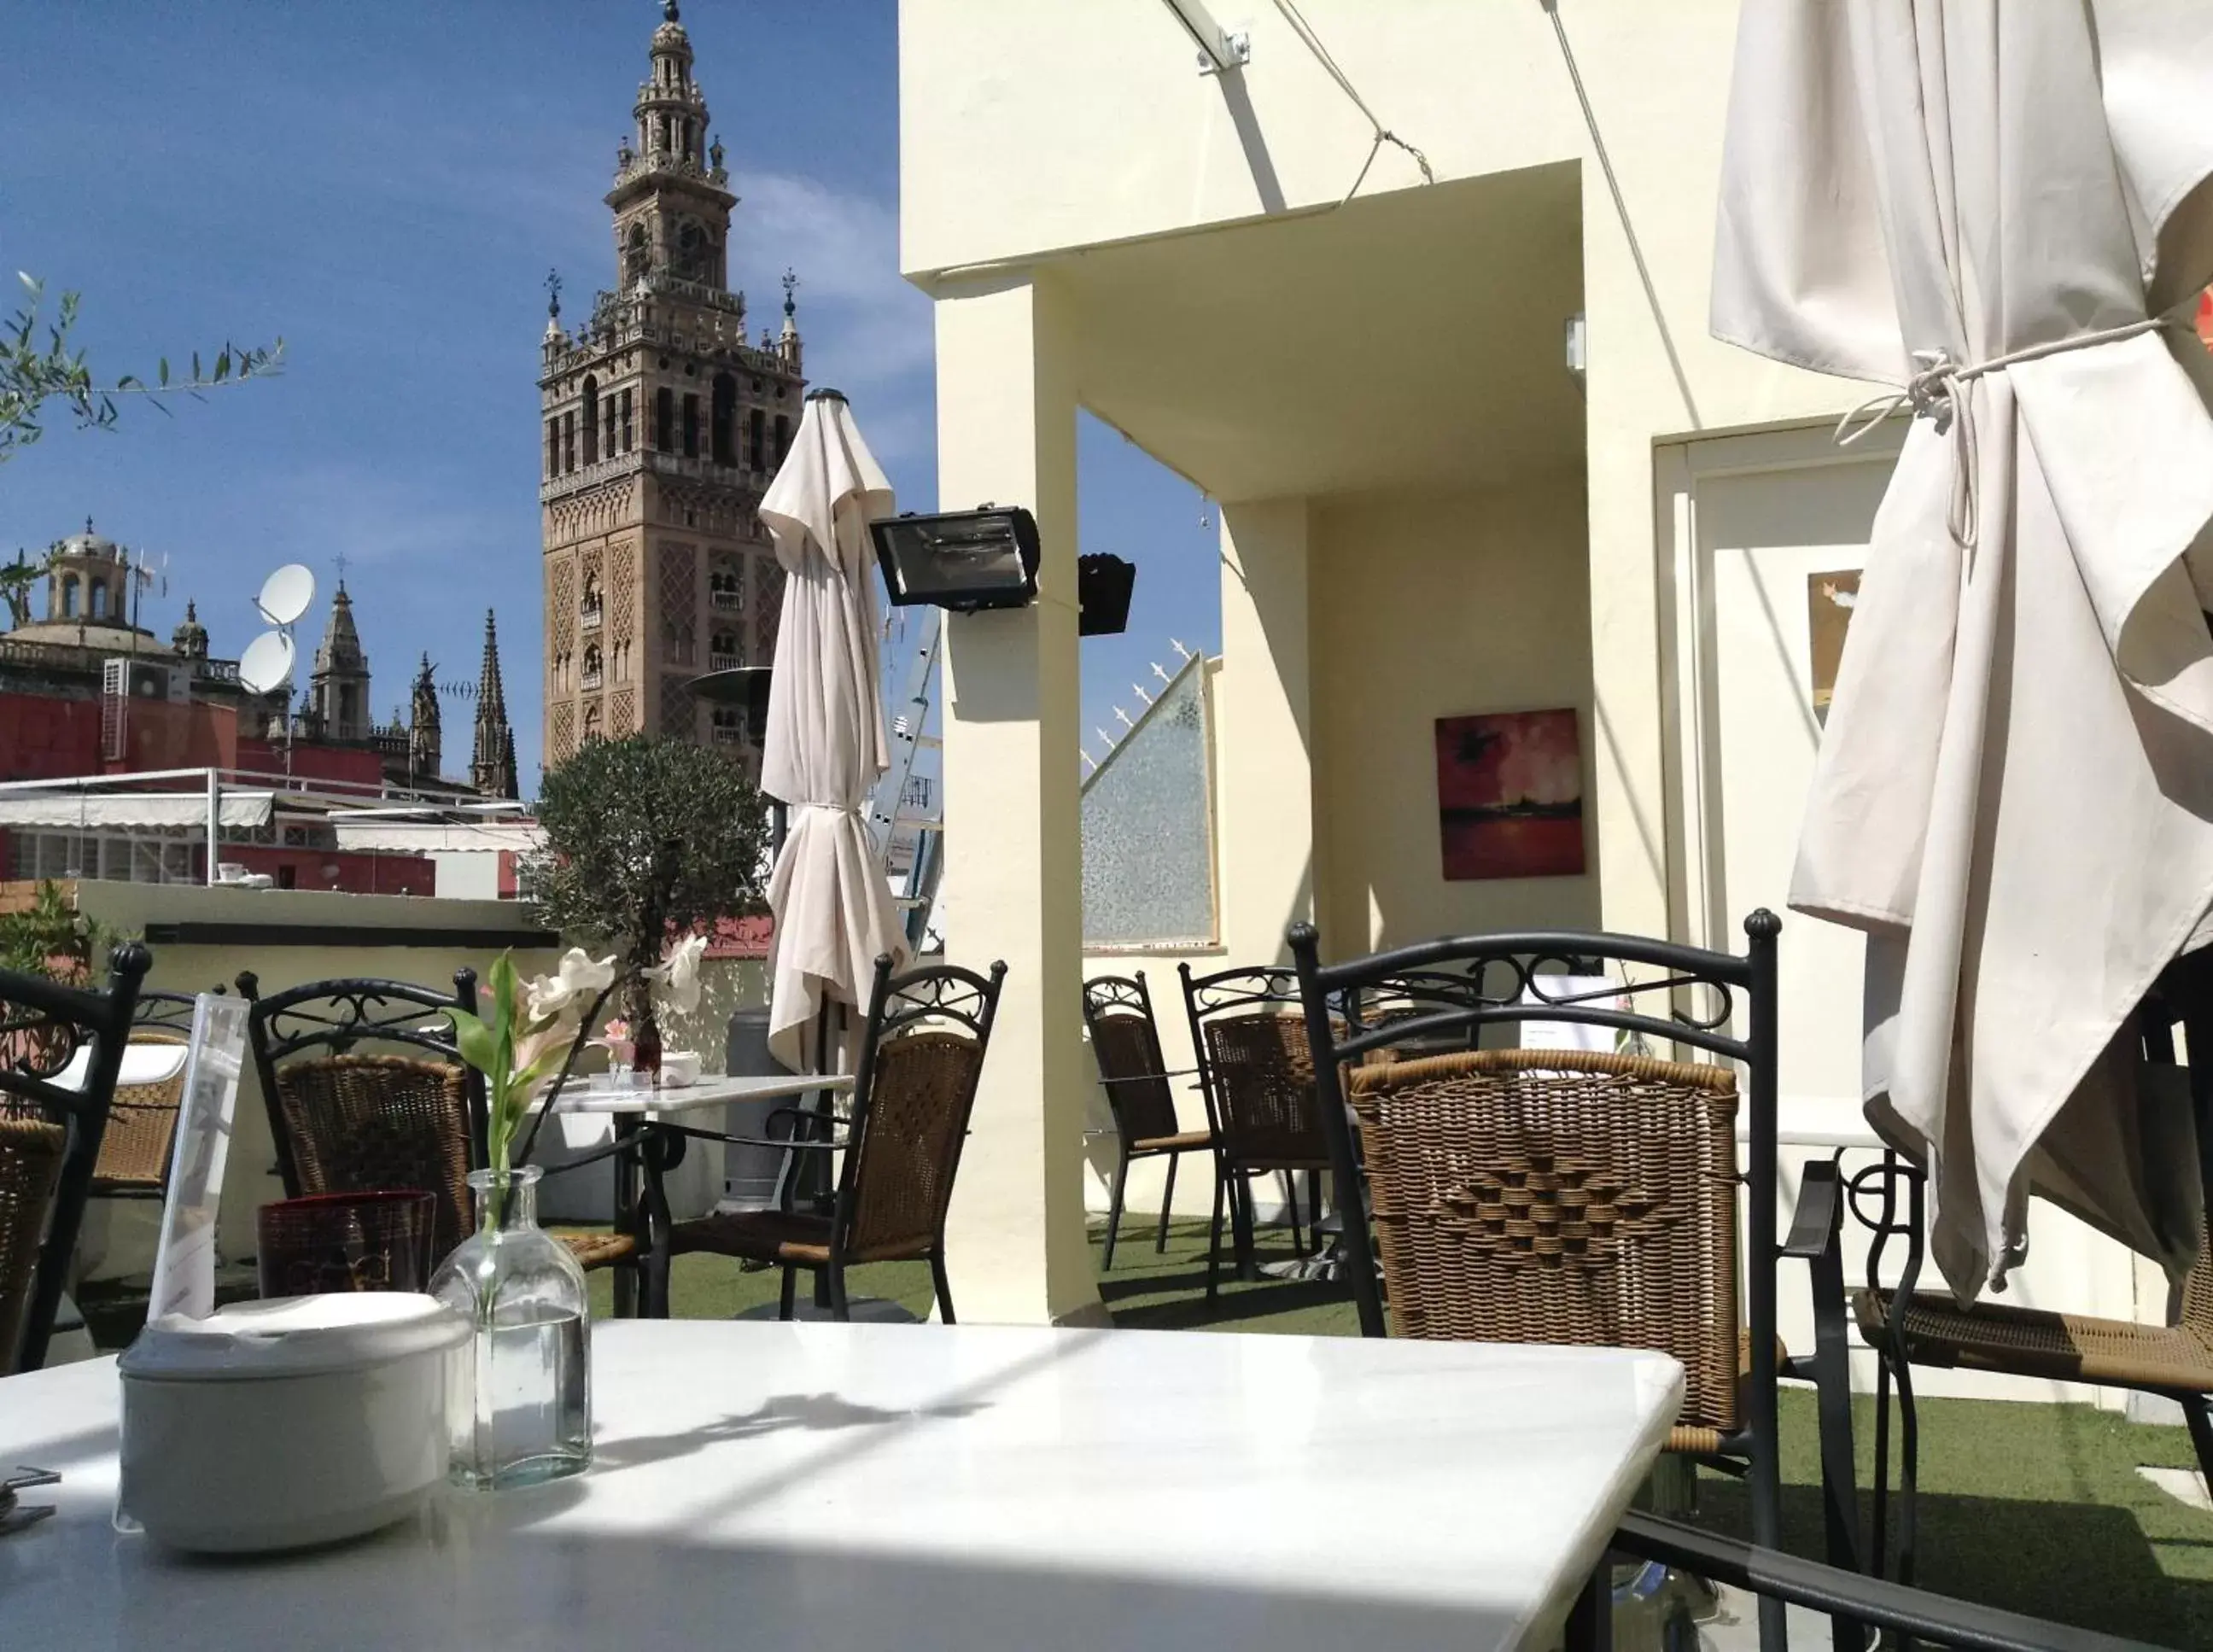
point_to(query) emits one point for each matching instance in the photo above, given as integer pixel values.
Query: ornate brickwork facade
(663, 423)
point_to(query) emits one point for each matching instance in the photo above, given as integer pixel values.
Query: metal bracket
(1220, 50)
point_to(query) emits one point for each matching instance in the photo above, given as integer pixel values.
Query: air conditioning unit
(144, 679)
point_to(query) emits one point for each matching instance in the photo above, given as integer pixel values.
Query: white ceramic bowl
(679, 1067)
(284, 1424)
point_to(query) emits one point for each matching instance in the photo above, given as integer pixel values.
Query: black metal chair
(1578, 1196)
(349, 1115)
(43, 1025)
(1257, 1074)
(1905, 1614)
(922, 1053)
(142, 1123)
(1907, 1327)
(1117, 1010)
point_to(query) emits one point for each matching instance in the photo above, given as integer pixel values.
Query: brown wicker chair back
(364, 1124)
(142, 1128)
(30, 1165)
(1562, 1197)
(45, 1026)
(1128, 1048)
(1261, 1073)
(908, 1147)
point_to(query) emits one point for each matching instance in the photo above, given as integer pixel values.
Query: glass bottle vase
(519, 1394)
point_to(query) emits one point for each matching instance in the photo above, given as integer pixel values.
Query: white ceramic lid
(293, 1336)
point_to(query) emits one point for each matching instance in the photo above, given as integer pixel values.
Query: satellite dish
(285, 595)
(266, 665)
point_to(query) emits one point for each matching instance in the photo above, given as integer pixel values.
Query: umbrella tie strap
(1933, 393)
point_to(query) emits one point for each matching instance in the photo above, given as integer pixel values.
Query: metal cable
(1384, 135)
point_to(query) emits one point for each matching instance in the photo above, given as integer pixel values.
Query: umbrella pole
(820, 1161)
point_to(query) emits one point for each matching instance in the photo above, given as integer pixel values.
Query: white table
(594, 1095)
(631, 1107)
(928, 1487)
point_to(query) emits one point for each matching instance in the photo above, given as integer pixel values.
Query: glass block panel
(1147, 828)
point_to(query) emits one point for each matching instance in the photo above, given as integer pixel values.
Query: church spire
(339, 684)
(491, 765)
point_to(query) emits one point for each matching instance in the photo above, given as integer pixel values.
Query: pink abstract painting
(1511, 794)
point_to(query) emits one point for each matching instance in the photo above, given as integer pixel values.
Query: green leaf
(475, 1041)
(223, 365)
(196, 365)
(165, 369)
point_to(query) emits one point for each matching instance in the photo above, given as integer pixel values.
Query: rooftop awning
(56, 812)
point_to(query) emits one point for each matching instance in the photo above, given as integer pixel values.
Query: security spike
(1104, 736)
(1138, 689)
(1182, 653)
(1125, 716)
(1092, 762)
(1159, 673)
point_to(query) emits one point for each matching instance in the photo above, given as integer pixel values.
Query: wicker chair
(350, 1123)
(30, 1166)
(43, 1025)
(1575, 1196)
(1118, 1010)
(921, 1056)
(1257, 1074)
(141, 1125)
(2173, 1360)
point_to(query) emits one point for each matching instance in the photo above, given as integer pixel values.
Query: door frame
(1689, 683)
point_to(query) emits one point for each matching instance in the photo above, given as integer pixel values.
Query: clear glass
(519, 1395)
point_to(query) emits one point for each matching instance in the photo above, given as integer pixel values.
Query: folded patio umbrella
(827, 742)
(1992, 206)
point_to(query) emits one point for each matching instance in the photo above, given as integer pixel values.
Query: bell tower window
(756, 427)
(591, 420)
(725, 412)
(636, 255)
(69, 596)
(625, 419)
(99, 601)
(664, 419)
(691, 426)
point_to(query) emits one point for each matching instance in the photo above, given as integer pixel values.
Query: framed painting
(1830, 600)
(1511, 794)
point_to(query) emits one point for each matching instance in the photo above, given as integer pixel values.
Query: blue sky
(386, 187)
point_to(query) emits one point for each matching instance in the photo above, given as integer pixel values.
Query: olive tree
(36, 370)
(646, 837)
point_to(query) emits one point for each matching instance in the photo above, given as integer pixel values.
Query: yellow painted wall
(1437, 605)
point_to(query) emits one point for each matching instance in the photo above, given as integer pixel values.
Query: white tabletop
(928, 1487)
(596, 1095)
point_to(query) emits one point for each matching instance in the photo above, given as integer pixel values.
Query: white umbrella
(1988, 204)
(826, 741)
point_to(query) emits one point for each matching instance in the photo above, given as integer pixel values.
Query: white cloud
(868, 331)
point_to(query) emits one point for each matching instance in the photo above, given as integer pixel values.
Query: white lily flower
(678, 976)
(578, 979)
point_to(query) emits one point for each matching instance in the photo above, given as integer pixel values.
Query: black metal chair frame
(337, 1015)
(1847, 1596)
(1105, 994)
(1873, 1195)
(1266, 988)
(166, 1012)
(937, 993)
(67, 1016)
(1472, 981)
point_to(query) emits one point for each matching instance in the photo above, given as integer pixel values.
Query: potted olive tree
(648, 840)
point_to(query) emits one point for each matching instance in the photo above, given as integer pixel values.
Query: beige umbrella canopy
(826, 741)
(1990, 206)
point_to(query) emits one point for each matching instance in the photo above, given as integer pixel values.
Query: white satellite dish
(285, 595)
(266, 665)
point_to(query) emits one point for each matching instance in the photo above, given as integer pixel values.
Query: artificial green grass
(2034, 1508)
